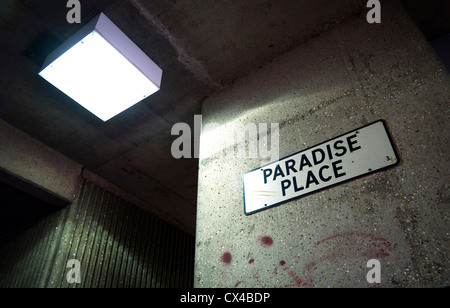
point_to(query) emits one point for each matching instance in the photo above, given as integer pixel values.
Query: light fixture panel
(100, 68)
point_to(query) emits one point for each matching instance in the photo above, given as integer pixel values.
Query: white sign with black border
(360, 152)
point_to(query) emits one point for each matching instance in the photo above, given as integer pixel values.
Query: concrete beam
(37, 169)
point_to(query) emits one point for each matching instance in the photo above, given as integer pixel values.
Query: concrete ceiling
(202, 47)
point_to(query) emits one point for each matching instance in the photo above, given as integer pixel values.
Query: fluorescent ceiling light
(100, 68)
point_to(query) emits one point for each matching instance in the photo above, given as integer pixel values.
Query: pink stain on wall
(341, 246)
(266, 241)
(350, 245)
(227, 258)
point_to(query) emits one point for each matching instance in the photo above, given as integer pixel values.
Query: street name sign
(360, 152)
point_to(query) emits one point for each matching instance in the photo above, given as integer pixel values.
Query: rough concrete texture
(32, 162)
(350, 76)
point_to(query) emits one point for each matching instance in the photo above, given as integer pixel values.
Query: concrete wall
(352, 75)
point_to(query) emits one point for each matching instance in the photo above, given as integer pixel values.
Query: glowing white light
(97, 72)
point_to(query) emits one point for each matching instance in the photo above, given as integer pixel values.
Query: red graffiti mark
(341, 246)
(298, 282)
(256, 277)
(350, 245)
(310, 266)
(350, 234)
(266, 241)
(226, 258)
(275, 271)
